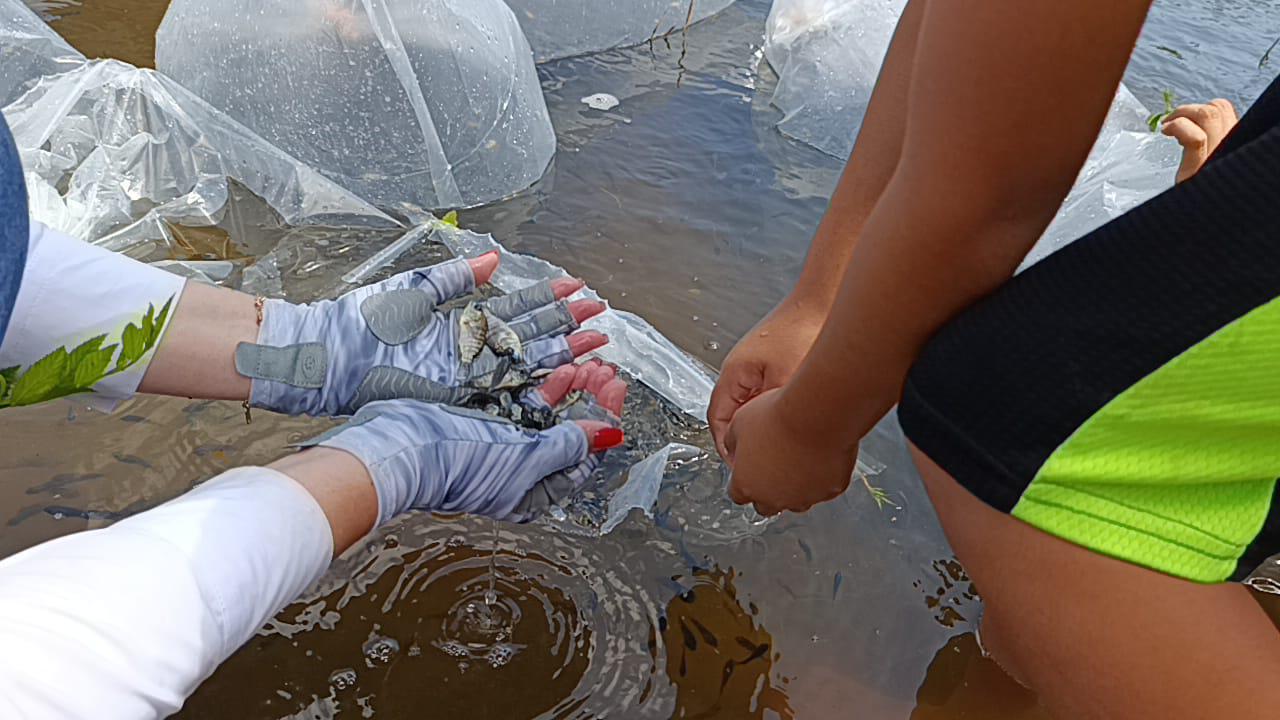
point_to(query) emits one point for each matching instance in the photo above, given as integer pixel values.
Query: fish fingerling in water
(501, 339)
(473, 330)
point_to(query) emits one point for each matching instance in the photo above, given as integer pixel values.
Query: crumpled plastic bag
(136, 151)
(1128, 165)
(561, 28)
(409, 104)
(827, 54)
(29, 50)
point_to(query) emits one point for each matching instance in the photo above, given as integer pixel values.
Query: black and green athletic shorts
(1124, 393)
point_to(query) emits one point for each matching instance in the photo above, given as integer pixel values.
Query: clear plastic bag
(416, 104)
(29, 50)
(561, 28)
(827, 54)
(1128, 165)
(135, 151)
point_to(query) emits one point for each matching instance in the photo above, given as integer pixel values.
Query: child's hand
(1199, 129)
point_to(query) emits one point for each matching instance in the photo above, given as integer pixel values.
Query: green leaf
(10, 373)
(148, 325)
(161, 319)
(93, 368)
(4, 392)
(84, 349)
(450, 218)
(38, 382)
(133, 344)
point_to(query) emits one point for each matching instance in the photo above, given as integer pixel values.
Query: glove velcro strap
(302, 365)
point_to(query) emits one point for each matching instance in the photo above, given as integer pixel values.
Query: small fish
(501, 339)
(473, 329)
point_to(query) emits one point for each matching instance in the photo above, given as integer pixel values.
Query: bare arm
(871, 165)
(976, 185)
(770, 353)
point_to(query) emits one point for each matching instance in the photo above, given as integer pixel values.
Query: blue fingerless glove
(438, 458)
(389, 340)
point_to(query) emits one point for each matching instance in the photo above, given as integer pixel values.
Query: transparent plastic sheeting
(409, 104)
(29, 50)
(135, 151)
(560, 28)
(827, 54)
(871, 591)
(1128, 165)
(634, 344)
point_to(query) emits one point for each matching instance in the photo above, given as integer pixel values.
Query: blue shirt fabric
(13, 225)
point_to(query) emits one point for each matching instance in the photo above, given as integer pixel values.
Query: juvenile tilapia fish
(473, 331)
(501, 339)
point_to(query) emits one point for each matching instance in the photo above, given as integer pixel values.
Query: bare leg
(1099, 638)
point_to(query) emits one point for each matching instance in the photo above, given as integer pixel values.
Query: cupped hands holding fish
(394, 339)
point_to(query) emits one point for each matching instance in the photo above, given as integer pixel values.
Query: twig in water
(878, 494)
(1266, 56)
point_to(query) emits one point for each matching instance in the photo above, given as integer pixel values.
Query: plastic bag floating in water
(415, 103)
(135, 151)
(560, 28)
(827, 54)
(29, 50)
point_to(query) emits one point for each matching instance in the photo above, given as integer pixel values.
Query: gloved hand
(389, 340)
(433, 457)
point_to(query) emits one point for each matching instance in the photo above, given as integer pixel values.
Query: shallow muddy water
(682, 204)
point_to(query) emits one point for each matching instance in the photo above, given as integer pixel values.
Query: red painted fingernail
(606, 438)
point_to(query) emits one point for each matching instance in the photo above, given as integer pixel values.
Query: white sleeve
(72, 291)
(126, 621)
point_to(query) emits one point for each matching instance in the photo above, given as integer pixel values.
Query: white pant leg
(126, 621)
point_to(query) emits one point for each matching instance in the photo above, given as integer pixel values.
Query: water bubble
(711, 345)
(380, 649)
(343, 679)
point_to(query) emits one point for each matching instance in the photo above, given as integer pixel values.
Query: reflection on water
(685, 205)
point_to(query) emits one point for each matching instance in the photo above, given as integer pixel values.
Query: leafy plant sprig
(62, 372)
(878, 493)
(1154, 121)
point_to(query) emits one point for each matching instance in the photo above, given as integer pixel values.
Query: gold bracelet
(258, 304)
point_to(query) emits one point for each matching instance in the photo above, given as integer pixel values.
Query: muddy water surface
(684, 205)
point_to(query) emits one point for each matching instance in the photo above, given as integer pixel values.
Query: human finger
(612, 396)
(564, 287)
(581, 343)
(556, 385)
(483, 267)
(599, 378)
(738, 383)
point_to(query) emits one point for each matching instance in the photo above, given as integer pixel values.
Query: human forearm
(871, 165)
(197, 357)
(962, 209)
